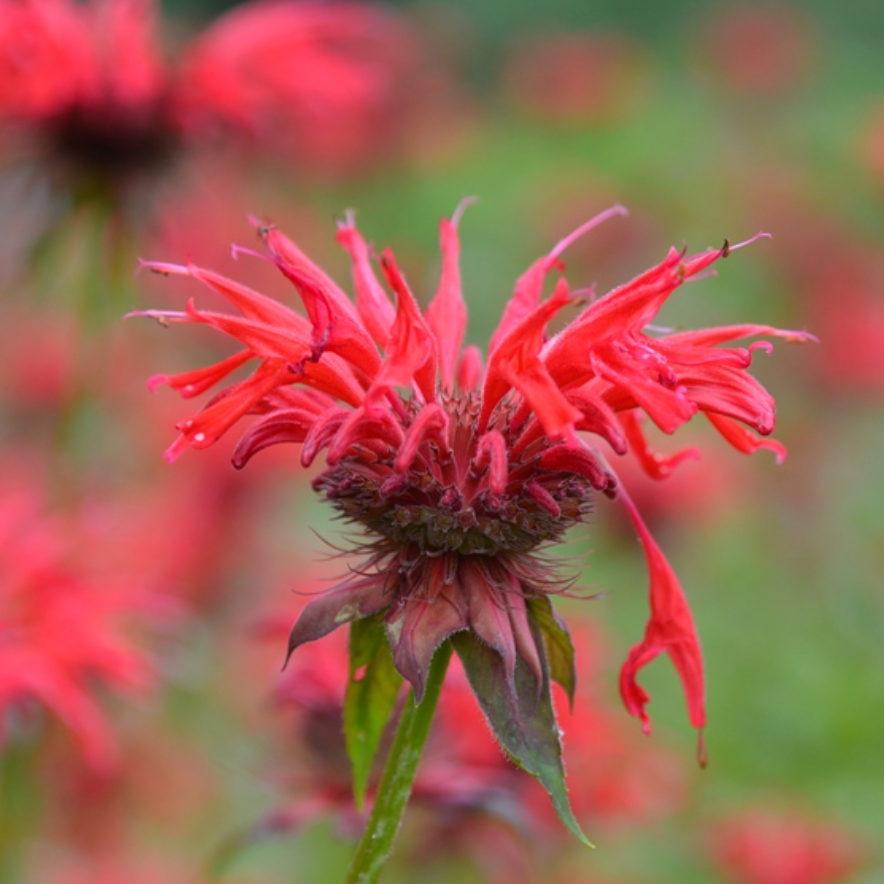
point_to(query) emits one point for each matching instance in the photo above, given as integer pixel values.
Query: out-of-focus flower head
(764, 846)
(757, 49)
(577, 79)
(89, 84)
(460, 473)
(39, 349)
(124, 865)
(65, 621)
(839, 275)
(321, 82)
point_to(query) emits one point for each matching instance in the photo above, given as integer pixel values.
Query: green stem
(395, 788)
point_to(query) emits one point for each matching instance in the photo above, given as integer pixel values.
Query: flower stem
(394, 790)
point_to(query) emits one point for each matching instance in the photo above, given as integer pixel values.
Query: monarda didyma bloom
(462, 474)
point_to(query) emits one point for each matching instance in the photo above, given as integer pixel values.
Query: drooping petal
(563, 459)
(491, 454)
(657, 466)
(742, 439)
(291, 425)
(670, 629)
(377, 424)
(321, 434)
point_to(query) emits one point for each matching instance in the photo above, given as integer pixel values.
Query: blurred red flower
(460, 473)
(764, 846)
(757, 49)
(65, 621)
(89, 83)
(576, 79)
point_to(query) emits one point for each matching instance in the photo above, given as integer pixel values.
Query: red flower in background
(757, 49)
(89, 82)
(322, 82)
(63, 622)
(761, 846)
(460, 473)
(575, 78)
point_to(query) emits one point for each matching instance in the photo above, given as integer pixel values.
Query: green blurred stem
(376, 844)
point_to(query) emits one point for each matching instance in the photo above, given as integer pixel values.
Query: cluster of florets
(89, 83)
(493, 494)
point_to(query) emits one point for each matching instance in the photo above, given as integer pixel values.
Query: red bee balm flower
(460, 474)
(90, 84)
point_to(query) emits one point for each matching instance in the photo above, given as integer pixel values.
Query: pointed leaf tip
(525, 728)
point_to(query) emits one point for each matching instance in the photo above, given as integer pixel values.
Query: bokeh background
(158, 596)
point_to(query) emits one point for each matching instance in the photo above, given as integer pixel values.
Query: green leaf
(371, 695)
(525, 725)
(558, 644)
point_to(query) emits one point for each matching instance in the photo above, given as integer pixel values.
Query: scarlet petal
(322, 432)
(743, 440)
(491, 453)
(447, 314)
(516, 364)
(670, 628)
(278, 426)
(411, 355)
(192, 383)
(429, 425)
(377, 425)
(657, 466)
(374, 306)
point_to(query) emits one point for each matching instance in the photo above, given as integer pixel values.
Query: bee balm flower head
(88, 84)
(461, 474)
